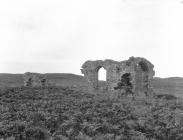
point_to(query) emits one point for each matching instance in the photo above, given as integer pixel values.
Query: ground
(69, 113)
(73, 113)
(172, 86)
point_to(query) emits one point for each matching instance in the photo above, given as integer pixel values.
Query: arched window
(102, 75)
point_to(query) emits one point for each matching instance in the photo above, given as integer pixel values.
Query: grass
(70, 113)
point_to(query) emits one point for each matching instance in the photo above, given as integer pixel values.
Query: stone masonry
(140, 70)
(34, 80)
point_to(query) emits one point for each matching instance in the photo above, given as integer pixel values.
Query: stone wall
(140, 69)
(34, 79)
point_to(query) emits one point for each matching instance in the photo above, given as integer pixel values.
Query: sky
(58, 36)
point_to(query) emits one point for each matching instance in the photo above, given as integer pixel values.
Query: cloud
(27, 25)
(59, 35)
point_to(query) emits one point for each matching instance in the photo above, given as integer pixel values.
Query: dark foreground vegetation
(54, 113)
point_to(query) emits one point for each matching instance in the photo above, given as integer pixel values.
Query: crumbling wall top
(97, 63)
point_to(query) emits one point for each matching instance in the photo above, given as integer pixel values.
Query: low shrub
(67, 114)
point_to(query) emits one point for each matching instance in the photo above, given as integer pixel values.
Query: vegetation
(125, 83)
(65, 113)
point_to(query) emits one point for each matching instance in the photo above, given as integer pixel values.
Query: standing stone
(34, 79)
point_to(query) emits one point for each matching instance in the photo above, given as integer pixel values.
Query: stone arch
(98, 72)
(100, 83)
(144, 66)
(143, 75)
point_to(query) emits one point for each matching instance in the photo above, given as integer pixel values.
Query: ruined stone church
(138, 70)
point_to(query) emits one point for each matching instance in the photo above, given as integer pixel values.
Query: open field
(173, 86)
(67, 111)
(63, 113)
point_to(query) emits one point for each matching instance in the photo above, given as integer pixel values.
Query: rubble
(34, 80)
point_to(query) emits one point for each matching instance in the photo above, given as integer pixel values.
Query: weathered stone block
(34, 79)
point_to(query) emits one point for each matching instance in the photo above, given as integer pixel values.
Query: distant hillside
(11, 80)
(64, 79)
(59, 79)
(173, 85)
